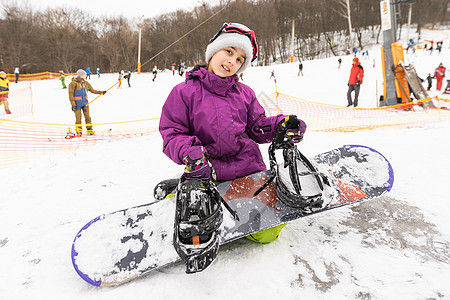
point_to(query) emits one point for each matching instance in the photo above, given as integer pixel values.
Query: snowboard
(117, 247)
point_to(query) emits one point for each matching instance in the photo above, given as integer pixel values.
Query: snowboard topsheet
(117, 247)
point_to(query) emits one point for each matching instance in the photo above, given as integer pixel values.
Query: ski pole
(106, 90)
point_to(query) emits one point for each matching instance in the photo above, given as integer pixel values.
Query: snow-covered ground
(393, 247)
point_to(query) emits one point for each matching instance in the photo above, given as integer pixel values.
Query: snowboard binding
(289, 188)
(198, 217)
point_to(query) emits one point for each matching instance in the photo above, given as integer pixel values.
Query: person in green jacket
(62, 77)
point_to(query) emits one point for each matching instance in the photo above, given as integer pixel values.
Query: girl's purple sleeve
(260, 128)
(174, 128)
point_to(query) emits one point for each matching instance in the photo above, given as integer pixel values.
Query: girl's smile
(227, 61)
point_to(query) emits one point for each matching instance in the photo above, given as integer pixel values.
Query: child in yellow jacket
(4, 91)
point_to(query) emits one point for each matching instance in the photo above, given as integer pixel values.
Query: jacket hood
(77, 79)
(212, 82)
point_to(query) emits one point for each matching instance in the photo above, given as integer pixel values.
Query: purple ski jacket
(220, 114)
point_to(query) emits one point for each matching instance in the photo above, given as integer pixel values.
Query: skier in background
(78, 89)
(272, 74)
(120, 78)
(189, 128)
(447, 88)
(155, 72)
(410, 45)
(429, 81)
(173, 69)
(439, 46)
(98, 72)
(4, 92)
(355, 81)
(339, 61)
(17, 73)
(88, 73)
(182, 69)
(62, 77)
(439, 74)
(300, 69)
(128, 77)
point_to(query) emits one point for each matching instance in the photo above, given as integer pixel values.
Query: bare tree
(17, 34)
(118, 44)
(70, 38)
(344, 11)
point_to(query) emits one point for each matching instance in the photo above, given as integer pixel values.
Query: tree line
(70, 38)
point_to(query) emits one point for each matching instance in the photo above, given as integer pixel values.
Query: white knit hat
(231, 39)
(81, 72)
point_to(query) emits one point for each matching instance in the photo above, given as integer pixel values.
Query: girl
(213, 123)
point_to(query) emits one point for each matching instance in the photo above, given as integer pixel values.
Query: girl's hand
(198, 165)
(290, 130)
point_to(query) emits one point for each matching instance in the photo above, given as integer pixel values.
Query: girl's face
(227, 61)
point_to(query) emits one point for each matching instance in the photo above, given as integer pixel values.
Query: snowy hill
(394, 247)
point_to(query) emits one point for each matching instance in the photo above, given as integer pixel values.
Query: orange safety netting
(36, 76)
(21, 141)
(326, 117)
(20, 103)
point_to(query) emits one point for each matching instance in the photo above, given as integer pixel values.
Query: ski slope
(394, 247)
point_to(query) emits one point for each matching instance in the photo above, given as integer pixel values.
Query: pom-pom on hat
(230, 39)
(81, 72)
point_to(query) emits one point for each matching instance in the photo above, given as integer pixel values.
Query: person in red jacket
(355, 81)
(439, 73)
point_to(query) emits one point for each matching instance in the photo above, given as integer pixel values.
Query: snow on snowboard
(117, 247)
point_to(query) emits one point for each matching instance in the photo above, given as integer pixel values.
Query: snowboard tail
(118, 247)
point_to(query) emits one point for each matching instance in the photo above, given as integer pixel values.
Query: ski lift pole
(106, 90)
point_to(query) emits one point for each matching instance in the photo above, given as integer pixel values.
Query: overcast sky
(128, 8)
